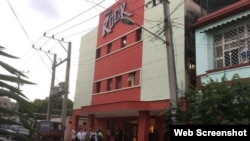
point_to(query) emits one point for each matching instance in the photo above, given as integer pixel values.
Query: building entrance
(130, 130)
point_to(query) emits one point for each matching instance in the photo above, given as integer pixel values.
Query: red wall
(132, 6)
(132, 94)
(128, 59)
(120, 60)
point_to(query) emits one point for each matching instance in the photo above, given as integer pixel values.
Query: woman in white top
(81, 135)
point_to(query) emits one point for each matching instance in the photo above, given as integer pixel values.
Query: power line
(97, 4)
(24, 29)
(13, 11)
(76, 24)
(74, 34)
(73, 18)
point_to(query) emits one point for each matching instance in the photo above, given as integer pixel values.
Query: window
(118, 82)
(138, 34)
(123, 41)
(45, 127)
(98, 53)
(231, 57)
(98, 87)
(109, 84)
(131, 79)
(109, 48)
(231, 45)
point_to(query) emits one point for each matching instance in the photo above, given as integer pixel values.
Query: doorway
(130, 130)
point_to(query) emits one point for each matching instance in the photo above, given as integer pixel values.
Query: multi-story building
(7, 103)
(223, 43)
(122, 80)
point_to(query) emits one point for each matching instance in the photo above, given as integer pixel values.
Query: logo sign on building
(112, 17)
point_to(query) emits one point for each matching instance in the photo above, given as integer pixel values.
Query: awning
(127, 108)
(225, 21)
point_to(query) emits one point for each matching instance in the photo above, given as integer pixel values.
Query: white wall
(85, 74)
(154, 76)
(201, 52)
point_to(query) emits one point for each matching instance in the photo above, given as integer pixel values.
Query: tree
(41, 105)
(216, 103)
(14, 93)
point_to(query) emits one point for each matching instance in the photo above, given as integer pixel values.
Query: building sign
(112, 17)
(245, 55)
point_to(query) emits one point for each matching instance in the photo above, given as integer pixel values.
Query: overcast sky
(23, 23)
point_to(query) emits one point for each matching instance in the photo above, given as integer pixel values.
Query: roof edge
(222, 13)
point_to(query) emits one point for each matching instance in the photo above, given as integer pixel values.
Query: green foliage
(225, 102)
(217, 103)
(41, 105)
(8, 90)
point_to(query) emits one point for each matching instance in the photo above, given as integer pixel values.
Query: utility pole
(66, 90)
(51, 88)
(65, 98)
(48, 117)
(173, 88)
(170, 55)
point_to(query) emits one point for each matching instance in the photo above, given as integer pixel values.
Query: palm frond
(11, 88)
(2, 48)
(14, 79)
(25, 104)
(11, 70)
(6, 54)
(26, 118)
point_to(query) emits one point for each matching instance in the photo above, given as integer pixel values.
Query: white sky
(37, 17)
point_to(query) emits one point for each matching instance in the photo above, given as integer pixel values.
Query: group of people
(87, 135)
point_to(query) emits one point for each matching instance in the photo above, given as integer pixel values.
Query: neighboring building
(223, 43)
(7, 103)
(122, 80)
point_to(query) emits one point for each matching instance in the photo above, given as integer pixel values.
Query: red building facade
(125, 85)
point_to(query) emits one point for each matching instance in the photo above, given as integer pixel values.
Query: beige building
(7, 103)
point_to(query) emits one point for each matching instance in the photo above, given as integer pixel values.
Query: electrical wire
(94, 16)
(141, 18)
(74, 34)
(73, 17)
(13, 11)
(76, 24)
(96, 4)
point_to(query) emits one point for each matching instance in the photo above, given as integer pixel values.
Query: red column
(91, 121)
(143, 125)
(75, 121)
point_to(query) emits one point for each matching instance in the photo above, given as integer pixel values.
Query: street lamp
(170, 58)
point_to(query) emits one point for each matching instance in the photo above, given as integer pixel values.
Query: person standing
(81, 135)
(93, 135)
(73, 136)
(99, 135)
(87, 136)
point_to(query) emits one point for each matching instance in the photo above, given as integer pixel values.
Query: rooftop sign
(113, 17)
